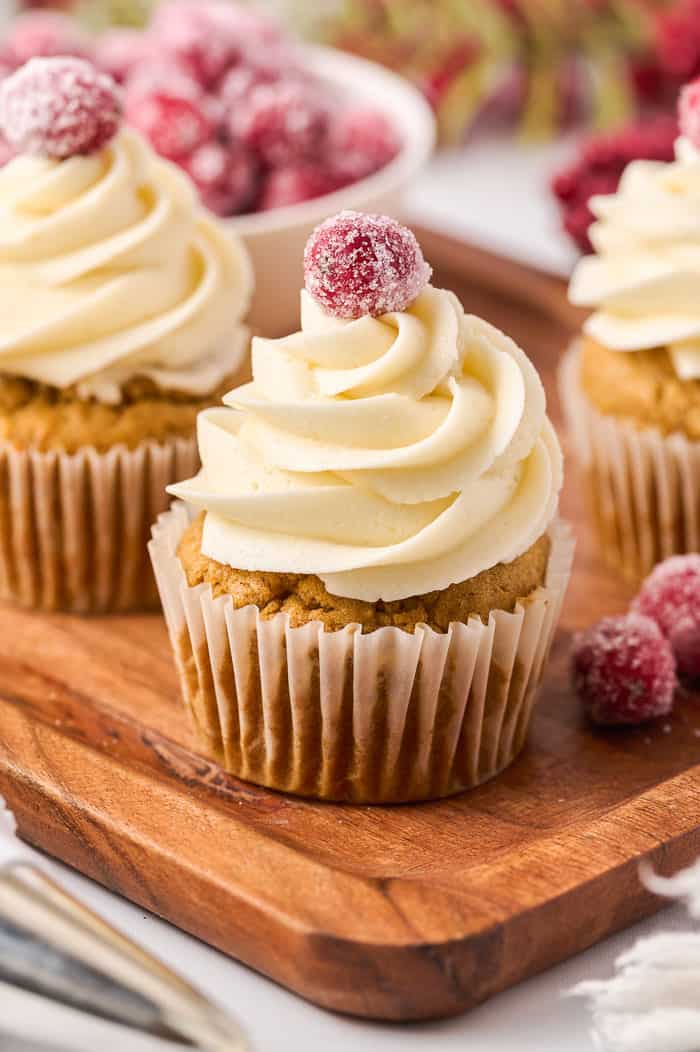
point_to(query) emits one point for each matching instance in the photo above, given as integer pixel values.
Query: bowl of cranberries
(276, 136)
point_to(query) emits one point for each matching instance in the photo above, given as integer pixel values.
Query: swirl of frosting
(390, 456)
(644, 277)
(109, 269)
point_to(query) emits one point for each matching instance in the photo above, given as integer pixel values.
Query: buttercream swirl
(643, 280)
(390, 456)
(109, 269)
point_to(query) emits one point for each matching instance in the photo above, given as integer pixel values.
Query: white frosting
(109, 269)
(390, 456)
(644, 279)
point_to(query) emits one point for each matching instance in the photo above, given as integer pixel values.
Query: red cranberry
(685, 642)
(59, 107)
(624, 671)
(45, 34)
(357, 264)
(282, 123)
(601, 161)
(671, 596)
(160, 78)
(238, 84)
(174, 126)
(120, 52)
(225, 177)
(295, 183)
(689, 112)
(198, 36)
(362, 140)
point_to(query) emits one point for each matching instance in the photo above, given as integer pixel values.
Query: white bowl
(276, 239)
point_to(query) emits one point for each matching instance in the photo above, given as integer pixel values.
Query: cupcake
(631, 383)
(121, 304)
(362, 583)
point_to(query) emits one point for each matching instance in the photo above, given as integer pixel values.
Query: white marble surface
(533, 1017)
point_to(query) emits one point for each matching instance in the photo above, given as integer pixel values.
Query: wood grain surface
(404, 912)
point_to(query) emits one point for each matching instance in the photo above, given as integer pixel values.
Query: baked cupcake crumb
(304, 596)
(37, 416)
(642, 387)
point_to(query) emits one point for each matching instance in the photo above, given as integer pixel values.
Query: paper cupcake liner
(74, 528)
(384, 717)
(643, 487)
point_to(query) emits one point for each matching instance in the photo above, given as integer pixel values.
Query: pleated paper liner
(74, 528)
(384, 717)
(643, 487)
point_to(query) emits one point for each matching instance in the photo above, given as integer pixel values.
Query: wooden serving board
(395, 913)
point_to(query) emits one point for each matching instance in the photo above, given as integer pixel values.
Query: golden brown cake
(36, 416)
(641, 387)
(305, 598)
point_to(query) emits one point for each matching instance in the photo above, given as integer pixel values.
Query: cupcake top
(390, 452)
(643, 279)
(109, 268)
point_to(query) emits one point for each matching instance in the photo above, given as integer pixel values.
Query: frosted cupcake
(631, 384)
(121, 307)
(362, 583)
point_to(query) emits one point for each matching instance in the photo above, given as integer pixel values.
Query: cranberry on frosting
(59, 107)
(356, 264)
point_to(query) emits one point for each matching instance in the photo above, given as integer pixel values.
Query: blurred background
(538, 103)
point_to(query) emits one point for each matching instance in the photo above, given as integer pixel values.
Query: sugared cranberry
(624, 671)
(362, 140)
(601, 161)
(175, 127)
(120, 52)
(281, 123)
(677, 39)
(671, 596)
(239, 82)
(45, 34)
(59, 107)
(199, 36)
(689, 112)
(160, 77)
(357, 264)
(295, 183)
(225, 177)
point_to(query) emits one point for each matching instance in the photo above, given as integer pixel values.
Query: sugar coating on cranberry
(671, 596)
(282, 122)
(295, 183)
(671, 592)
(689, 112)
(121, 51)
(356, 264)
(224, 175)
(59, 107)
(45, 34)
(362, 140)
(202, 37)
(174, 126)
(163, 77)
(624, 671)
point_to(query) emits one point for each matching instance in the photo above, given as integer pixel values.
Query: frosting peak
(109, 269)
(643, 279)
(390, 456)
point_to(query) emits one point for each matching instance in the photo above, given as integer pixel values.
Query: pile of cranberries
(627, 669)
(222, 91)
